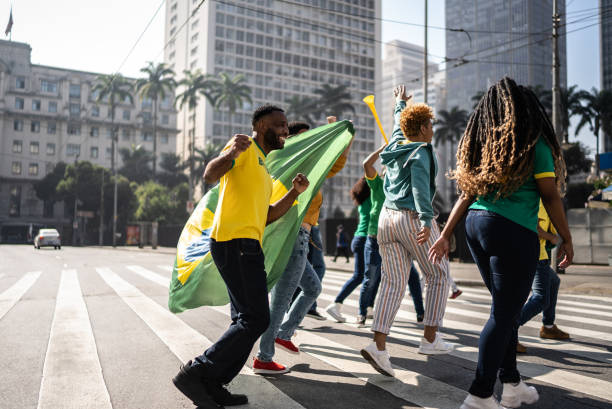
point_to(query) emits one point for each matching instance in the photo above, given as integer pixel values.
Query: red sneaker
(269, 368)
(456, 294)
(287, 346)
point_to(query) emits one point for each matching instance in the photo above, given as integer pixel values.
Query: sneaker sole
(208, 404)
(284, 348)
(269, 371)
(366, 355)
(517, 402)
(316, 317)
(338, 318)
(434, 352)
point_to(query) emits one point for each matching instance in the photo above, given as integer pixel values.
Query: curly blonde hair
(413, 117)
(497, 150)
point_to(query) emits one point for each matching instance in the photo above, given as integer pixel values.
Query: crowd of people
(509, 174)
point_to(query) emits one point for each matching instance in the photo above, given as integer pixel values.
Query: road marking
(558, 377)
(72, 375)
(165, 267)
(408, 385)
(150, 275)
(10, 296)
(185, 342)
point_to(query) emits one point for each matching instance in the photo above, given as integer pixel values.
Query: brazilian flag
(195, 278)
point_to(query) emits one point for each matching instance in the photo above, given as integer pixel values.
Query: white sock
(548, 326)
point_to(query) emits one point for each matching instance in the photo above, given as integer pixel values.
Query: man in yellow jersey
(242, 213)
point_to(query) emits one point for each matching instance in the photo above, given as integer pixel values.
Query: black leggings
(342, 251)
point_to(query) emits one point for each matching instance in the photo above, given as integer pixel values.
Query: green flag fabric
(195, 278)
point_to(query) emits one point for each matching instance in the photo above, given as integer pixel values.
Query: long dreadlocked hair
(497, 149)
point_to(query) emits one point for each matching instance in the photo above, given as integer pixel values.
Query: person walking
(242, 213)
(360, 193)
(341, 244)
(545, 285)
(508, 158)
(300, 272)
(406, 229)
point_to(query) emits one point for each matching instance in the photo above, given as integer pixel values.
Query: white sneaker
(334, 311)
(438, 347)
(370, 313)
(474, 402)
(378, 359)
(515, 395)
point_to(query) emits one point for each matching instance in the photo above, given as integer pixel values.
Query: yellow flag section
(195, 278)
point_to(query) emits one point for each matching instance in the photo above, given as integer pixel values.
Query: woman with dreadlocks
(507, 159)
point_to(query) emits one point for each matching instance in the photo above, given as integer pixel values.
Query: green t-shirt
(522, 206)
(377, 197)
(364, 218)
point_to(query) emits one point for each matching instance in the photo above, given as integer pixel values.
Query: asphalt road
(90, 328)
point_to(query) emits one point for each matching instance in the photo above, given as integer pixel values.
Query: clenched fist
(240, 144)
(300, 183)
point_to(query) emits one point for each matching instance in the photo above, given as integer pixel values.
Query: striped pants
(397, 231)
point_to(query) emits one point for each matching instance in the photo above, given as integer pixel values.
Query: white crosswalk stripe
(185, 342)
(72, 375)
(9, 297)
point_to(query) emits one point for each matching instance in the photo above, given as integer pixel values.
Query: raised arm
(554, 207)
(400, 103)
(368, 163)
(278, 209)
(222, 164)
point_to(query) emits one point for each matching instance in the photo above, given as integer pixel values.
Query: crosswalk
(75, 367)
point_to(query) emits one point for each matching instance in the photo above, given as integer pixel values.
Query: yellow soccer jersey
(244, 197)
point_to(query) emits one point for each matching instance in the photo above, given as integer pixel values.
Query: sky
(97, 36)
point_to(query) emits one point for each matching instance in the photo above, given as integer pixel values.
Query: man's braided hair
(497, 150)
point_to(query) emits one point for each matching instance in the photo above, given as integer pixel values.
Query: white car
(47, 237)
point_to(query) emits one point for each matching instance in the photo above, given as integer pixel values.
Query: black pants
(241, 264)
(344, 251)
(506, 254)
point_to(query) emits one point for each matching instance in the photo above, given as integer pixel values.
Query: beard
(273, 140)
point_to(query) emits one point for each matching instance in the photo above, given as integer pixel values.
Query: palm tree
(570, 106)
(114, 89)
(172, 170)
(231, 92)
(596, 111)
(544, 95)
(476, 98)
(301, 109)
(158, 83)
(200, 160)
(195, 84)
(449, 128)
(136, 164)
(334, 100)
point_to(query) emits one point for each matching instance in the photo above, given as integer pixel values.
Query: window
(125, 134)
(73, 149)
(146, 136)
(52, 106)
(94, 131)
(194, 50)
(194, 38)
(165, 119)
(95, 111)
(93, 152)
(164, 139)
(34, 148)
(19, 104)
(49, 87)
(74, 129)
(36, 105)
(51, 128)
(75, 109)
(16, 168)
(17, 146)
(33, 169)
(15, 199)
(35, 126)
(126, 114)
(108, 152)
(18, 125)
(147, 103)
(50, 149)
(20, 82)
(75, 91)
(146, 117)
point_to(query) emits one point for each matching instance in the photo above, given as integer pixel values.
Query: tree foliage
(162, 204)
(172, 170)
(136, 164)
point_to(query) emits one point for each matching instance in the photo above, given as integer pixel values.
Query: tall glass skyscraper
(504, 37)
(605, 44)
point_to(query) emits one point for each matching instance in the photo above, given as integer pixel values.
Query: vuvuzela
(369, 100)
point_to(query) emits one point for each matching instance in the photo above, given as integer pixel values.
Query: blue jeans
(544, 298)
(357, 247)
(298, 272)
(414, 284)
(371, 279)
(315, 256)
(506, 254)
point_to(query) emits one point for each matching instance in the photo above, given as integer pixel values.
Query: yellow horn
(369, 100)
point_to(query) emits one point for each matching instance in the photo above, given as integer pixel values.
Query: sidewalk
(578, 279)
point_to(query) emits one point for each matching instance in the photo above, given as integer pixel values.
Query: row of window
(72, 129)
(32, 169)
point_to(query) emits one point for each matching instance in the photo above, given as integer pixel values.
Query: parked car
(48, 237)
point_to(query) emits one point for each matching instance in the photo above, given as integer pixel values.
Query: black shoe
(190, 384)
(420, 318)
(315, 314)
(222, 396)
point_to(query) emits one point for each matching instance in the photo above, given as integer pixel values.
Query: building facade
(504, 38)
(605, 44)
(50, 114)
(403, 64)
(283, 49)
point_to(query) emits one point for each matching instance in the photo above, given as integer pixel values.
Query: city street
(90, 328)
